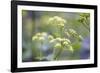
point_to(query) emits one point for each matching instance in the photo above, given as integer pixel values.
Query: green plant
(60, 39)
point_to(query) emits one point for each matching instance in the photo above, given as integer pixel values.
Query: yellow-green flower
(56, 20)
(34, 38)
(70, 48)
(65, 43)
(72, 31)
(50, 37)
(38, 34)
(59, 39)
(80, 37)
(52, 41)
(67, 34)
(58, 45)
(41, 38)
(64, 21)
(43, 34)
(66, 40)
(61, 25)
(50, 19)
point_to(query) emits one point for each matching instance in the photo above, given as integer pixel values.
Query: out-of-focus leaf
(76, 45)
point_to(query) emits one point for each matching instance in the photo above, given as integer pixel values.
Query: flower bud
(70, 48)
(50, 37)
(65, 43)
(58, 45)
(72, 31)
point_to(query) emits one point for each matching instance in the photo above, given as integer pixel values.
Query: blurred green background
(34, 22)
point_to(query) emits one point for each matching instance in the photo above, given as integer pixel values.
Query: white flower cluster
(62, 43)
(39, 36)
(56, 20)
(59, 43)
(42, 37)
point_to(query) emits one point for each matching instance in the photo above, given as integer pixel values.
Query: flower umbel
(56, 20)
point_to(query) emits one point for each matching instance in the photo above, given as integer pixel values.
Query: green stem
(85, 24)
(58, 55)
(62, 33)
(60, 50)
(40, 53)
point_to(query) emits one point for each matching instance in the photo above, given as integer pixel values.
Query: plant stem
(58, 54)
(40, 53)
(85, 24)
(60, 49)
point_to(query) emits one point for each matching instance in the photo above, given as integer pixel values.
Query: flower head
(61, 25)
(38, 34)
(56, 20)
(66, 40)
(52, 41)
(71, 31)
(44, 34)
(34, 38)
(70, 48)
(41, 38)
